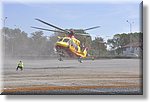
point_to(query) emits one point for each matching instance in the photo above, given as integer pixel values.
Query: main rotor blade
(82, 34)
(92, 28)
(50, 25)
(47, 29)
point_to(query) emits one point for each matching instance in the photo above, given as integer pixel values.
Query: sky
(111, 16)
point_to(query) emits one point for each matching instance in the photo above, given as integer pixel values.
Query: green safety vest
(20, 64)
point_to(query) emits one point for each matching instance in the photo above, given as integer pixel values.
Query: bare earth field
(105, 76)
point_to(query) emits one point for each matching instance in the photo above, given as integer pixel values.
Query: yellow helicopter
(68, 45)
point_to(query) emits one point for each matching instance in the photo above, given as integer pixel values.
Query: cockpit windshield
(60, 39)
(65, 40)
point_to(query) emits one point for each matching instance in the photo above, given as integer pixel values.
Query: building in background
(132, 49)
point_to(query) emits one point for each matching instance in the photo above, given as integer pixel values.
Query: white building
(132, 49)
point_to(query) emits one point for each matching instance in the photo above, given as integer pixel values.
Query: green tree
(39, 43)
(98, 47)
(120, 40)
(16, 42)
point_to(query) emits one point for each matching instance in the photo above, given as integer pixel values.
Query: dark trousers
(19, 67)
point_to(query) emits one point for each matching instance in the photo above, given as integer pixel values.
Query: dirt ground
(105, 76)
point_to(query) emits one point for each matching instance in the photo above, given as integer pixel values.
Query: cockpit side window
(74, 45)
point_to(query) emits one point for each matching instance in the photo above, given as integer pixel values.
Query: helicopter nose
(62, 44)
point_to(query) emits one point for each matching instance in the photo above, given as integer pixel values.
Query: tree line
(18, 43)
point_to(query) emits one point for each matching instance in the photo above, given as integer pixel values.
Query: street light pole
(131, 49)
(4, 21)
(130, 23)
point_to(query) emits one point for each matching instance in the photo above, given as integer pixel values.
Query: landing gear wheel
(80, 59)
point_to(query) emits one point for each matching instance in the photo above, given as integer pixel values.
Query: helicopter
(68, 45)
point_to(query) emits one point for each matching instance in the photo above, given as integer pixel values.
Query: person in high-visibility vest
(20, 65)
